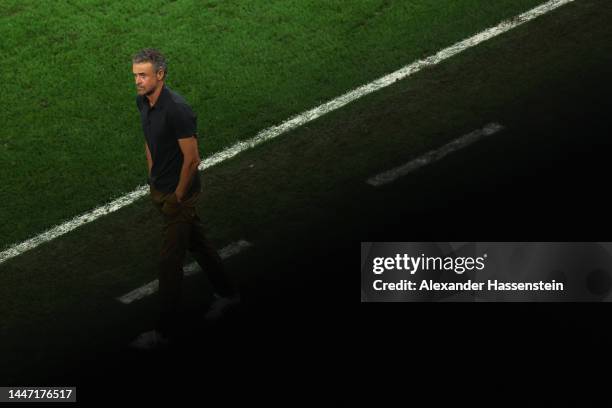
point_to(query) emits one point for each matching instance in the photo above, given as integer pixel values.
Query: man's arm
(149, 159)
(191, 160)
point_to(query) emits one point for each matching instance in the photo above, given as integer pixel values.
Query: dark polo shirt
(170, 119)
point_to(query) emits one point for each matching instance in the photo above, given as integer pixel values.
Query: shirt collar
(163, 95)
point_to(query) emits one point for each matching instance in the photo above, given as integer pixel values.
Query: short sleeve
(184, 121)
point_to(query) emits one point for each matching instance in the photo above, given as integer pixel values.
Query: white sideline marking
(292, 123)
(434, 155)
(189, 270)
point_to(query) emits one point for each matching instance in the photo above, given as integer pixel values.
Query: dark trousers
(183, 231)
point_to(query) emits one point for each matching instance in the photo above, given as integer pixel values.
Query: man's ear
(161, 75)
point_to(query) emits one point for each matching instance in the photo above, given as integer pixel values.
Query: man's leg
(176, 234)
(175, 242)
(209, 260)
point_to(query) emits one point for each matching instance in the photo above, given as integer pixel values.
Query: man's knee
(169, 261)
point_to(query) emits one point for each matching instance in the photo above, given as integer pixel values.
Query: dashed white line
(189, 270)
(293, 123)
(391, 175)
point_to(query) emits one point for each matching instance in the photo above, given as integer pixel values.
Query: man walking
(171, 147)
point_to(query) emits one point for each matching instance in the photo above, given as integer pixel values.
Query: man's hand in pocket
(171, 206)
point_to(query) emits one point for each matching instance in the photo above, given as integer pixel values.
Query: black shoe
(151, 340)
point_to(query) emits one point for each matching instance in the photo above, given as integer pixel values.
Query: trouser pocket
(170, 206)
(171, 209)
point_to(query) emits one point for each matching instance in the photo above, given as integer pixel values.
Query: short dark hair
(153, 56)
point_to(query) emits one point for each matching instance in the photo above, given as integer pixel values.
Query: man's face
(145, 79)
